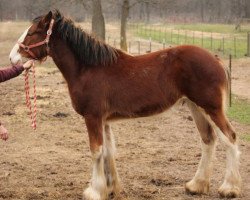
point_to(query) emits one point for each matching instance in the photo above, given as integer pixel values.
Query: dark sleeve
(10, 72)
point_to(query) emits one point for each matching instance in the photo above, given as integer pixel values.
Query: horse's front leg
(97, 189)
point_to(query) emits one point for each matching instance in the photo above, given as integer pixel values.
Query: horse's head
(34, 42)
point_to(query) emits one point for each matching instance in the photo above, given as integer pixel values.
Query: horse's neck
(64, 60)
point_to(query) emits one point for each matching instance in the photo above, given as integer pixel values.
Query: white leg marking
(231, 186)
(14, 56)
(97, 189)
(200, 182)
(205, 166)
(112, 177)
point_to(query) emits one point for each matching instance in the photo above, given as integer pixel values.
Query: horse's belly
(145, 111)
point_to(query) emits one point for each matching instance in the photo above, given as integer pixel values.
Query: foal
(107, 84)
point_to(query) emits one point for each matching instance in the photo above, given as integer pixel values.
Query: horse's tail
(226, 97)
(228, 85)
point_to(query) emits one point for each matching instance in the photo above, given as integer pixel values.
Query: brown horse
(106, 84)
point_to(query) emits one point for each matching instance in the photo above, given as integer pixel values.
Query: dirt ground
(155, 156)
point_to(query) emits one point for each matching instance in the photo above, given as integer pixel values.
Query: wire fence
(137, 46)
(223, 44)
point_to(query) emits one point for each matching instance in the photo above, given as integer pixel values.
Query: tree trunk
(124, 18)
(98, 23)
(202, 10)
(147, 12)
(247, 8)
(141, 11)
(1, 12)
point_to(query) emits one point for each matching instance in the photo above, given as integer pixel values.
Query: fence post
(171, 39)
(165, 36)
(193, 37)
(202, 39)
(185, 37)
(178, 39)
(129, 47)
(150, 45)
(139, 47)
(230, 80)
(160, 35)
(248, 44)
(223, 45)
(211, 41)
(235, 52)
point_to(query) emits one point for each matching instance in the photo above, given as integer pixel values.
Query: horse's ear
(46, 20)
(48, 17)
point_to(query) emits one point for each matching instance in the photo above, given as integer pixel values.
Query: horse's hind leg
(231, 186)
(200, 182)
(111, 174)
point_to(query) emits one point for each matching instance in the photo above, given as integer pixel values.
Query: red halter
(27, 87)
(46, 42)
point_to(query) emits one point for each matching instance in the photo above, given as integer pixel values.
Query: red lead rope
(28, 101)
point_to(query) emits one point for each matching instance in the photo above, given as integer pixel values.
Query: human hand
(28, 64)
(3, 133)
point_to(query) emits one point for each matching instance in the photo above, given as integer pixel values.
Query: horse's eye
(30, 34)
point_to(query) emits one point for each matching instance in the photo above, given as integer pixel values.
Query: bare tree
(1, 11)
(147, 11)
(98, 22)
(124, 18)
(247, 8)
(126, 6)
(225, 11)
(202, 3)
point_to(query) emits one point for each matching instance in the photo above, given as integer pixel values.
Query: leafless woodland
(225, 11)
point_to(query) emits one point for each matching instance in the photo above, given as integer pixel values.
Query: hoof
(230, 192)
(114, 189)
(4, 136)
(92, 194)
(197, 187)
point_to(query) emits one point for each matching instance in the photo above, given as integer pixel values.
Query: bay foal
(107, 84)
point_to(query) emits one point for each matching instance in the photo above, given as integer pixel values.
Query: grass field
(217, 28)
(240, 110)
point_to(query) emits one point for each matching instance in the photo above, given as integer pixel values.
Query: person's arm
(10, 72)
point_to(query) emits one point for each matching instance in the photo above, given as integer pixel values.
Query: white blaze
(16, 57)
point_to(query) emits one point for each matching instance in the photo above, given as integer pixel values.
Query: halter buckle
(49, 32)
(26, 48)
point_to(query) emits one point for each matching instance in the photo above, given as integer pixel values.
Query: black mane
(86, 48)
